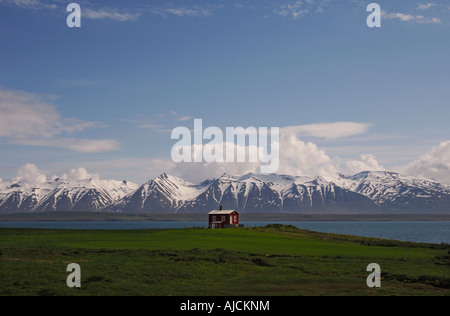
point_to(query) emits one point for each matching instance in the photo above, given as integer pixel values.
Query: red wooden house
(223, 219)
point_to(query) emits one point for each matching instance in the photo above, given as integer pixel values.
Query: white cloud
(199, 171)
(78, 175)
(296, 157)
(30, 4)
(433, 165)
(30, 174)
(138, 170)
(160, 122)
(426, 6)
(307, 159)
(29, 119)
(367, 162)
(194, 12)
(151, 126)
(196, 172)
(303, 158)
(328, 130)
(109, 13)
(87, 146)
(295, 10)
(23, 115)
(88, 12)
(299, 9)
(410, 18)
(185, 118)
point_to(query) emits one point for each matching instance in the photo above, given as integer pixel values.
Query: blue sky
(105, 96)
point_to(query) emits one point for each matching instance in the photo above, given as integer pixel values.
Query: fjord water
(435, 232)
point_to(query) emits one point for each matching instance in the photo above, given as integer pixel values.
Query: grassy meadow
(271, 260)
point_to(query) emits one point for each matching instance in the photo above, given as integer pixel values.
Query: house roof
(223, 212)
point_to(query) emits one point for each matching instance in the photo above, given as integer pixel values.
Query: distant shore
(272, 217)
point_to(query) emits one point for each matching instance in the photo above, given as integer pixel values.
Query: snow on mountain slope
(397, 192)
(249, 193)
(164, 193)
(16, 197)
(366, 192)
(62, 195)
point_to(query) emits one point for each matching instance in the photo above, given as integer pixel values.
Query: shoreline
(187, 217)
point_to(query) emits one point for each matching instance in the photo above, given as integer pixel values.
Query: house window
(214, 218)
(223, 218)
(235, 218)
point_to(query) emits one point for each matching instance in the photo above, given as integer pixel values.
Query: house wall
(234, 218)
(229, 219)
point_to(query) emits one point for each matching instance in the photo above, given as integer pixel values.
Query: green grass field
(273, 260)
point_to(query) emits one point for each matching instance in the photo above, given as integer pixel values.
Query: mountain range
(62, 195)
(363, 193)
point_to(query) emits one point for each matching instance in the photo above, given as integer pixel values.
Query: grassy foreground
(272, 260)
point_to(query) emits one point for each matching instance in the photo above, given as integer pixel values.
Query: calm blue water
(428, 232)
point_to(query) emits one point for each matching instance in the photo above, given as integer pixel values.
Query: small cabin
(223, 219)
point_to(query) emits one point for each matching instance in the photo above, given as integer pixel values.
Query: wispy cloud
(30, 4)
(151, 126)
(185, 11)
(411, 18)
(295, 10)
(426, 6)
(110, 13)
(85, 146)
(160, 122)
(196, 12)
(95, 11)
(328, 130)
(30, 120)
(185, 118)
(88, 10)
(299, 9)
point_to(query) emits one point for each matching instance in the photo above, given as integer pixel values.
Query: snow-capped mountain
(163, 194)
(62, 195)
(398, 193)
(276, 193)
(366, 192)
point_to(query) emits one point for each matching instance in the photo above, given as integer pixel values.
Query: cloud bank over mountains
(28, 119)
(433, 165)
(300, 159)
